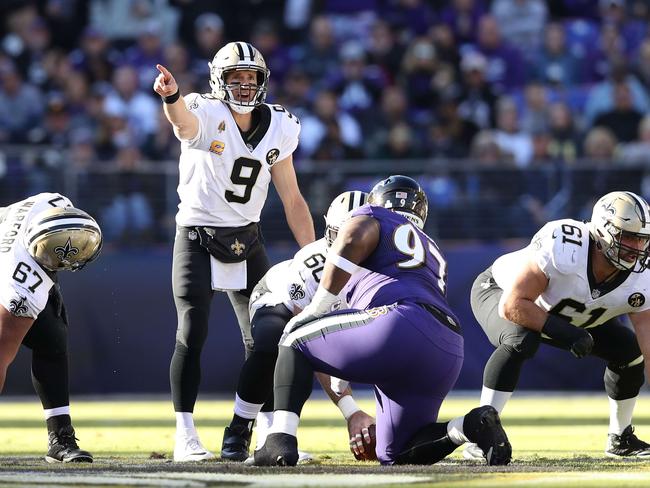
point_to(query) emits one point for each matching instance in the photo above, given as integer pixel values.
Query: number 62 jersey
(24, 285)
(224, 177)
(561, 249)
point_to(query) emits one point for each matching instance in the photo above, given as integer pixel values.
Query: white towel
(228, 276)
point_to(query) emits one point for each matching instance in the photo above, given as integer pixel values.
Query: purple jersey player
(398, 335)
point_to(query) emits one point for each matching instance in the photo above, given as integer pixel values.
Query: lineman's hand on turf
(363, 436)
(165, 84)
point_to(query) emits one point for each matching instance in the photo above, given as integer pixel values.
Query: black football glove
(573, 338)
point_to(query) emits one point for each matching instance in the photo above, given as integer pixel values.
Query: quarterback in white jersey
(40, 236)
(232, 146)
(285, 290)
(567, 288)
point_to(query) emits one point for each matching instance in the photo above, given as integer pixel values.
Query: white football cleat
(303, 458)
(190, 449)
(473, 453)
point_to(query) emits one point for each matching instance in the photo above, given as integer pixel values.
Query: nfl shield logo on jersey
(636, 300)
(192, 235)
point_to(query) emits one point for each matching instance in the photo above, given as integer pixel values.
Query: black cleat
(483, 427)
(63, 448)
(280, 449)
(236, 439)
(626, 445)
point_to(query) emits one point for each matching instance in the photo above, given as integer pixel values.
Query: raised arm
(184, 122)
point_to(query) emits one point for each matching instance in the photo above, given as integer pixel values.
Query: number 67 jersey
(224, 176)
(561, 249)
(24, 285)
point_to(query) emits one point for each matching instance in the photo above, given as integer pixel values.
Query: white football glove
(323, 303)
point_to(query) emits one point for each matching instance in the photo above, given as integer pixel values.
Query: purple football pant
(403, 350)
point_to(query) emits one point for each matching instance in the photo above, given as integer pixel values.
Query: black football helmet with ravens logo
(404, 195)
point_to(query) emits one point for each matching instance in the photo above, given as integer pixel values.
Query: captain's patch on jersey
(272, 156)
(636, 300)
(217, 147)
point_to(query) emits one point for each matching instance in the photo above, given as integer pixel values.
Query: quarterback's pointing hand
(165, 84)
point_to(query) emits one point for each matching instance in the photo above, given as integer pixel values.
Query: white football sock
(53, 412)
(620, 414)
(185, 424)
(495, 398)
(455, 431)
(262, 426)
(285, 421)
(245, 409)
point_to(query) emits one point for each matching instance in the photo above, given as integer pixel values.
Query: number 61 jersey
(561, 250)
(224, 178)
(24, 285)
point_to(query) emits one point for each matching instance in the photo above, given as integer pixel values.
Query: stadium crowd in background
(508, 83)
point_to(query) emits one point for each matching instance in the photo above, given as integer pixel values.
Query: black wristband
(172, 98)
(561, 330)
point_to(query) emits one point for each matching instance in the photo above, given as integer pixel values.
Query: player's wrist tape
(342, 263)
(561, 330)
(172, 98)
(347, 406)
(323, 302)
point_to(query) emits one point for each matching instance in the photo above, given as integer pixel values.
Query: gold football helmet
(238, 56)
(63, 239)
(339, 209)
(619, 215)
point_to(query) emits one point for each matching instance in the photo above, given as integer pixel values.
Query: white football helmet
(622, 214)
(238, 56)
(339, 209)
(63, 239)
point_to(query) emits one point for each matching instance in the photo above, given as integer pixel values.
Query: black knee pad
(525, 344)
(623, 382)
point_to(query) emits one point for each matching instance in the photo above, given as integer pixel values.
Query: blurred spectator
(125, 20)
(384, 50)
(266, 38)
(146, 53)
(642, 64)
(451, 135)
(534, 118)
(477, 99)
(357, 85)
(332, 147)
(623, 120)
(637, 152)
(297, 91)
(445, 44)
(56, 127)
(126, 100)
(400, 143)
(632, 30)
(65, 19)
(128, 219)
(522, 22)
(509, 137)
(554, 63)
(601, 58)
(18, 25)
(162, 145)
(600, 144)
(95, 57)
(505, 68)
(486, 152)
(564, 144)
(410, 16)
(319, 57)
(601, 96)
(541, 147)
(418, 69)
(314, 126)
(21, 105)
(463, 18)
(393, 110)
(209, 35)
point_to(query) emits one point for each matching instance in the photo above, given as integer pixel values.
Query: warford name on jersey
(561, 250)
(24, 285)
(223, 180)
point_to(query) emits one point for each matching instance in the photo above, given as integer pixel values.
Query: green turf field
(557, 441)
